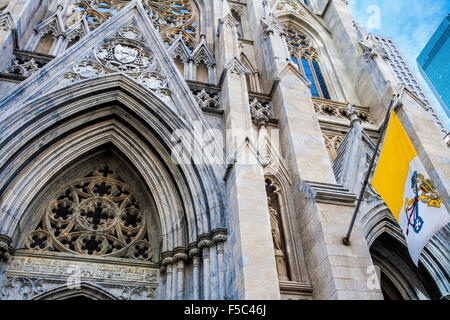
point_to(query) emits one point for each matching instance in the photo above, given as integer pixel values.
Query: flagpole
(346, 240)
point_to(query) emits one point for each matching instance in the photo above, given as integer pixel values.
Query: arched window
(305, 57)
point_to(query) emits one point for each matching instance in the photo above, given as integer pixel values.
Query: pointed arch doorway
(92, 232)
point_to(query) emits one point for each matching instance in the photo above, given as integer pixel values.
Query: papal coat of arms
(425, 192)
(125, 54)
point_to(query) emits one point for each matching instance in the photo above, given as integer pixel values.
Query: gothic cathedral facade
(202, 149)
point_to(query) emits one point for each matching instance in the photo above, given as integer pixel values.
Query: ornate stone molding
(352, 114)
(228, 21)
(126, 53)
(26, 63)
(207, 99)
(235, 66)
(98, 215)
(180, 254)
(261, 112)
(193, 250)
(337, 110)
(289, 6)
(333, 141)
(63, 266)
(6, 21)
(170, 17)
(137, 293)
(204, 241)
(5, 247)
(29, 288)
(332, 194)
(21, 288)
(167, 258)
(219, 235)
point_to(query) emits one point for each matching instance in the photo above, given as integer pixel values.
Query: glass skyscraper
(434, 63)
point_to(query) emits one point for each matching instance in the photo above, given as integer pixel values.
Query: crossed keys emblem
(425, 191)
(125, 54)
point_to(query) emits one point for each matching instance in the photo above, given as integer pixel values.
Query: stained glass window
(321, 80)
(310, 77)
(301, 49)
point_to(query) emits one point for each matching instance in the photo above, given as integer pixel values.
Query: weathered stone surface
(239, 136)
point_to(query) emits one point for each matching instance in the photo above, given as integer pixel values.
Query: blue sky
(411, 23)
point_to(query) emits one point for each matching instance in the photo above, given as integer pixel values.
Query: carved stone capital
(352, 114)
(204, 241)
(193, 250)
(180, 254)
(219, 235)
(5, 248)
(167, 258)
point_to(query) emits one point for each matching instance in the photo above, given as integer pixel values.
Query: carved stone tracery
(261, 112)
(289, 6)
(97, 215)
(332, 143)
(21, 288)
(299, 45)
(337, 110)
(207, 99)
(126, 53)
(171, 17)
(5, 248)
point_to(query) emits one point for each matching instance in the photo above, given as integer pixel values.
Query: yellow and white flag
(402, 181)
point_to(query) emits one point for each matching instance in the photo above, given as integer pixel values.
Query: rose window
(97, 215)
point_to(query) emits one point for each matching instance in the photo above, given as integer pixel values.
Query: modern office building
(434, 63)
(405, 75)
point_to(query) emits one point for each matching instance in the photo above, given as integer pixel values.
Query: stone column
(204, 244)
(213, 280)
(219, 237)
(57, 45)
(167, 262)
(180, 258)
(211, 74)
(350, 167)
(254, 275)
(173, 293)
(193, 70)
(194, 256)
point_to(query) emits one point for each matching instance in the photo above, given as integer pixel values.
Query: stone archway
(187, 198)
(400, 278)
(85, 291)
(95, 222)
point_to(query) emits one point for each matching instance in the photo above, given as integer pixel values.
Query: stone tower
(201, 149)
